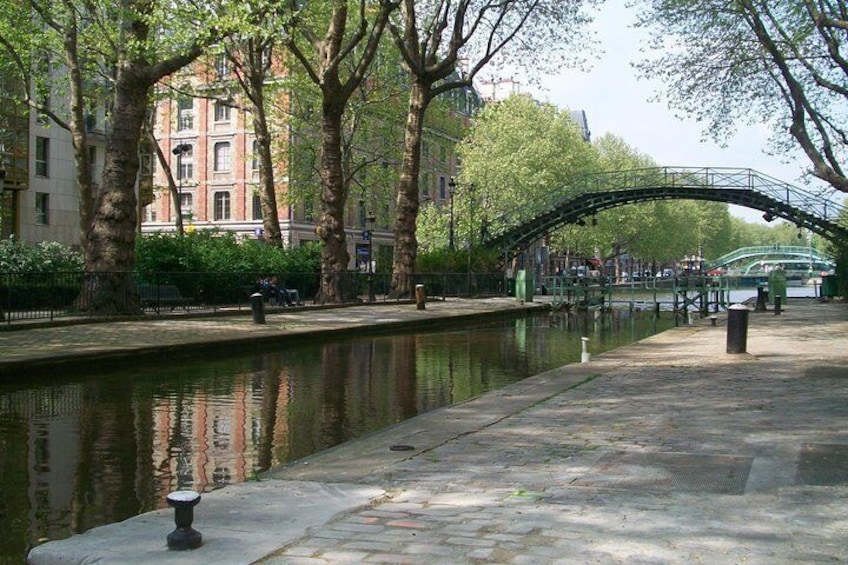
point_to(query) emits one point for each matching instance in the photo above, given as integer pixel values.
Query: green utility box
(524, 286)
(777, 285)
(829, 287)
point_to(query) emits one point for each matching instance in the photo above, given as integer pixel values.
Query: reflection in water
(82, 450)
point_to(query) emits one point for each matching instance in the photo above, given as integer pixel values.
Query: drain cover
(823, 464)
(669, 472)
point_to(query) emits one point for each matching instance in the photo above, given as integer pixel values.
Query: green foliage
(44, 257)
(220, 252)
(519, 157)
(760, 62)
(479, 260)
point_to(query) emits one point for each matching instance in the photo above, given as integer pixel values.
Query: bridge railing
(770, 250)
(717, 178)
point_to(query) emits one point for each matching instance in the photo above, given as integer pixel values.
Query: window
(186, 202)
(185, 114)
(257, 207)
(42, 208)
(186, 164)
(222, 112)
(222, 206)
(443, 194)
(222, 66)
(42, 154)
(255, 162)
(222, 156)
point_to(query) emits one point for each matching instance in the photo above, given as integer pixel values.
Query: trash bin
(777, 286)
(257, 307)
(737, 328)
(828, 286)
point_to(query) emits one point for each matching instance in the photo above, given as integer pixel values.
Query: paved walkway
(43, 349)
(666, 451)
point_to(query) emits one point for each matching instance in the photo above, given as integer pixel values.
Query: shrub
(457, 261)
(45, 257)
(220, 252)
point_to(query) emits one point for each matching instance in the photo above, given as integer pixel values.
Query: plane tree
(112, 52)
(759, 62)
(444, 46)
(520, 158)
(334, 42)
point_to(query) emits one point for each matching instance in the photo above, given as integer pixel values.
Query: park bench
(157, 295)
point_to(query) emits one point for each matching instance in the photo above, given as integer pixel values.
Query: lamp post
(370, 232)
(451, 190)
(179, 150)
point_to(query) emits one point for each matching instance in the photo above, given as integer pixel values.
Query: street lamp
(370, 220)
(451, 190)
(179, 150)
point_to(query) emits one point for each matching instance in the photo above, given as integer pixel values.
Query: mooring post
(737, 328)
(184, 536)
(420, 297)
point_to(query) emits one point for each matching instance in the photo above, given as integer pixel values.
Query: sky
(616, 102)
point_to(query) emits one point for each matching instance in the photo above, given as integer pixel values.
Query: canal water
(86, 449)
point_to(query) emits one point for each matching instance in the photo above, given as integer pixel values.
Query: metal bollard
(585, 356)
(184, 536)
(420, 296)
(257, 307)
(777, 305)
(737, 328)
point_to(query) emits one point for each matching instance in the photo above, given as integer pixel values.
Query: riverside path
(666, 451)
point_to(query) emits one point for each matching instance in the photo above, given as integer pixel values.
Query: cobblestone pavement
(667, 451)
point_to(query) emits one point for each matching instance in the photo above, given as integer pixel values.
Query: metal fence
(49, 296)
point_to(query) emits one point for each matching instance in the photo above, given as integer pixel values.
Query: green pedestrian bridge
(593, 193)
(751, 259)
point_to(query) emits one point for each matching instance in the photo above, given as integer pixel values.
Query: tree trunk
(267, 191)
(173, 190)
(406, 211)
(330, 228)
(111, 252)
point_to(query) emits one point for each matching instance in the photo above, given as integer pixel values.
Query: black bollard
(420, 297)
(257, 307)
(184, 536)
(737, 328)
(777, 305)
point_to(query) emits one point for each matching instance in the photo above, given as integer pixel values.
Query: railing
(818, 205)
(65, 295)
(771, 250)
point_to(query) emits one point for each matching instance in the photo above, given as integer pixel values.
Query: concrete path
(666, 451)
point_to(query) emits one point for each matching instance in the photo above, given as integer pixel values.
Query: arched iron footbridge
(747, 258)
(595, 192)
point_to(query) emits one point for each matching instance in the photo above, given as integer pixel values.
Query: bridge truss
(595, 192)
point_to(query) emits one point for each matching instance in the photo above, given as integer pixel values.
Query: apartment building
(212, 151)
(40, 198)
(213, 156)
